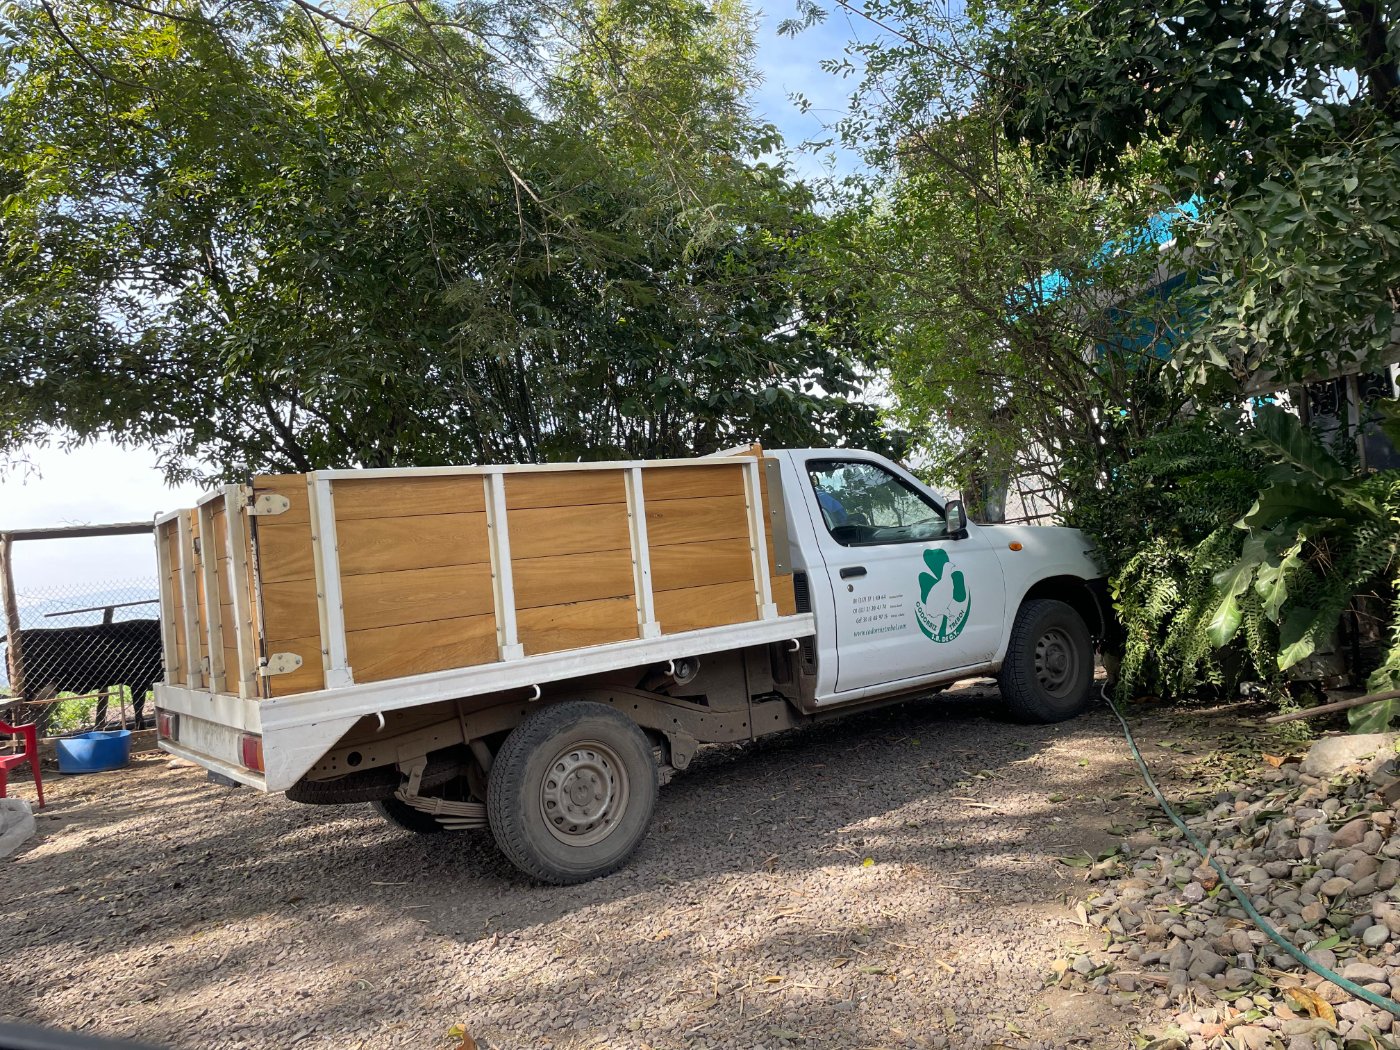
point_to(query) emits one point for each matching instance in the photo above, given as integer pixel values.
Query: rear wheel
(405, 817)
(571, 792)
(1049, 666)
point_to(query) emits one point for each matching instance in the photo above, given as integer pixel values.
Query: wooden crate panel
(407, 496)
(293, 486)
(692, 608)
(565, 488)
(679, 565)
(393, 652)
(290, 609)
(305, 679)
(389, 599)
(284, 552)
(569, 578)
(231, 670)
(694, 520)
(554, 627)
(722, 479)
(228, 627)
(784, 597)
(419, 541)
(540, 532)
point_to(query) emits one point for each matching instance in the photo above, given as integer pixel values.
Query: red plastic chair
(30, 754)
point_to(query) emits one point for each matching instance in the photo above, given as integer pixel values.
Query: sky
(102, 483)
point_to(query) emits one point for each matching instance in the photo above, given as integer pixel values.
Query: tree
(283, 237)
(1283, 118)
(1015, 312)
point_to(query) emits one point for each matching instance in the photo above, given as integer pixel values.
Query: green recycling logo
(944, 601)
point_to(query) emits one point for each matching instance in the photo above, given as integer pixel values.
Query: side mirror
(957, 518)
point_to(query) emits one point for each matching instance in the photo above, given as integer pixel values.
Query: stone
(1205, 963)
(1388, 874)
(1364, 887)
(1351, 833)
(1333, 754)
(1252, 1036)
(1375, 936)
(1084, 965)
(1236, 977)
(1194, 893)
(1336, 886)
(1315, 912)
(1154, 932)
(1179, 958)
(16, 825)
(1363, 972)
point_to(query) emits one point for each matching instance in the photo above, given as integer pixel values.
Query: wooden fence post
(14, 655)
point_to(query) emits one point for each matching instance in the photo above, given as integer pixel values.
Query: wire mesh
(87, 656)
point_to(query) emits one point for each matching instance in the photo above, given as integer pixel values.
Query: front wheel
(571, 792)
(1049, 666)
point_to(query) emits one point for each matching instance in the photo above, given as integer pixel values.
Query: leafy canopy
(280, 236)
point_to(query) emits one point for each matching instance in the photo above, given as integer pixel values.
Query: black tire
(372, 785)
(1049, 668)
(405, 817)
(601, 795)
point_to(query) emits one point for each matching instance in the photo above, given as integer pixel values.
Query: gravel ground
(887, 880)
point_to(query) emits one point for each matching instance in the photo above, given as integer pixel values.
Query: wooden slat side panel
(292, 486)
(552, 628)
(170, 537)
(571, 578)
(420, 541)
(695, 520)
(678, 565)
(784, 597)
(391, 599)
(693, 608)
(403, 497)
(286, 569)
(722, 479)
(540, 532)
(305, 679)
(393, 652)
(565, 489)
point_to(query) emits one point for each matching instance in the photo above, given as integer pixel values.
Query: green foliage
(983, 282)
(1162, 523)
(258, 239)
(1281, 119)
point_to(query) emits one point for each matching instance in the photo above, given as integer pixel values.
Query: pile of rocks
(1314, 846)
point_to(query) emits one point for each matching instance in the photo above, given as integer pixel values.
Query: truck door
(910, 599)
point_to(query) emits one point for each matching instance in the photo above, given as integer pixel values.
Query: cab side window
(863, 504)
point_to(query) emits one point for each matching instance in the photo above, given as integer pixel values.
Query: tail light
(251, 746)
(168, 725)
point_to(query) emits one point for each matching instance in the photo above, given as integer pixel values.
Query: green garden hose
(1351, 987)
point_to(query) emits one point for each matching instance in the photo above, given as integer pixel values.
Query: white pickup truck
(536, 649)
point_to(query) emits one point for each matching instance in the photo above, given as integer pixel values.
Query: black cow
(91, 658)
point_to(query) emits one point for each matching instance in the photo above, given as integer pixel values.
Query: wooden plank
(693, 520)
(691, 608)
(784, 597)
(554, 627)
(231, 668)
(722, 479)
(403, 497)
(539, 532)
(420, 541)
(284, 551)
(308, 677)
(293, 486)
(679, 565)
(572, 578)
(228, 636)
(289, 608)
(393, 652)
(389, 599)
(565, 489)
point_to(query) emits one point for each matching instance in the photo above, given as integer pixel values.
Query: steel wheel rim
(584, 793)
(1056, 662)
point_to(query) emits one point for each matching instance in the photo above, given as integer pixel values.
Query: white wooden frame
(335, 663)
(758, 539)
(647, 627)
(189, 595)
(169, 652)
(213, 596)
(502, 575)
(235, 517)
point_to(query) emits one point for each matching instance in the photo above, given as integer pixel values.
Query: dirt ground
(887, 880)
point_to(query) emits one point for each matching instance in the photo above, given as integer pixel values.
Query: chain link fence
(82, 656)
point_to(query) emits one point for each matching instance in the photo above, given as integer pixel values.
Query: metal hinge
(279, 663)
(269, 503)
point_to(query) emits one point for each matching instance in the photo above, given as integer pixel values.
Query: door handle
(851, 572)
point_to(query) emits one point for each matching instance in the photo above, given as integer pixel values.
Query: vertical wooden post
(14, 652)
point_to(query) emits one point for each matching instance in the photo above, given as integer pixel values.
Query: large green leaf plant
(1318, 537)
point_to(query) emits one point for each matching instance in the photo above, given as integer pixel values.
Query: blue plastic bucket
(93, 752)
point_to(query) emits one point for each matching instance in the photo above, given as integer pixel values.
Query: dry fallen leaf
(463, 1037)
(1313, 1004)
(772, 979)
(1279, 760)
